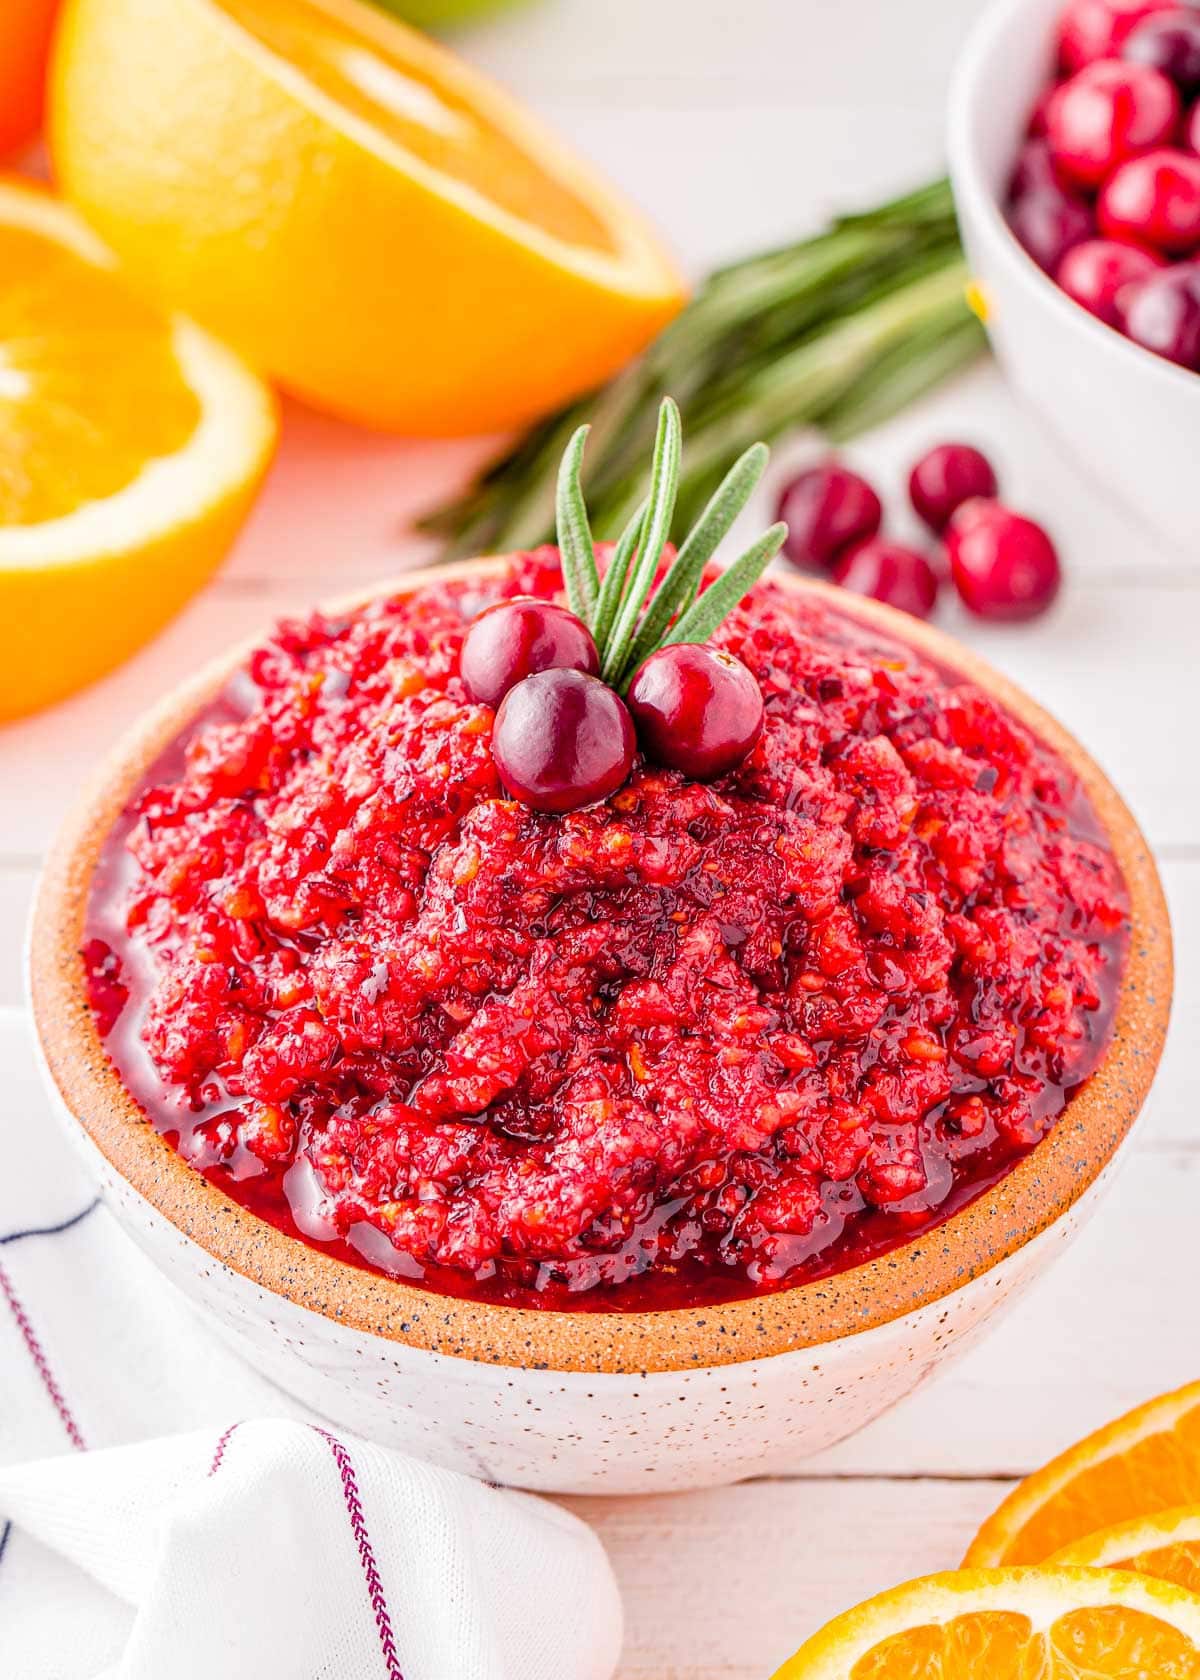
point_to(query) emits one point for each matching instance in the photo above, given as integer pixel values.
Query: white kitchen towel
(166, 1511)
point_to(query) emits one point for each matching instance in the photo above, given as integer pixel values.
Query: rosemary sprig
(836, 331)
(656, 528)
(629, 618)
(575, 546)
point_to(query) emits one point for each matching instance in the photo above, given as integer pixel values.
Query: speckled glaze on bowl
(592, 1401)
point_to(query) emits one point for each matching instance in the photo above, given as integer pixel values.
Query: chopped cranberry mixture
(694, 1042)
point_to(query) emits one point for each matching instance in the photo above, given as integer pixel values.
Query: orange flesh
(1179, 1563)
(368, 73)
(69, 433)
(1110, 1642)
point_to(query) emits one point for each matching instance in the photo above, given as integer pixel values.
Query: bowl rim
(971, 85)
(1030, 1197)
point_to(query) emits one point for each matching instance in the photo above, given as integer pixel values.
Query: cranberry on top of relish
(695, 1041)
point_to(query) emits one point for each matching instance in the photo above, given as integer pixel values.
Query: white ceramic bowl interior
(1131, 419)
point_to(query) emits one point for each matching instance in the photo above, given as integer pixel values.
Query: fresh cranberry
(1037, 117)
(1193, 128)
(1034, 170)
(1003, 566)
(1154, 199)
(562, 739)
(827, 508)
(1169, 42)
(1163, 315)
(1091, 29)
(511, 640)
(697, 709)
(886, 571)
(1099, 273)
(1107, 113)
(1048, 224)
(945, 478)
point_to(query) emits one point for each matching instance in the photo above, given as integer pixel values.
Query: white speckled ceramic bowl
(1128, 416)
(593, 1401)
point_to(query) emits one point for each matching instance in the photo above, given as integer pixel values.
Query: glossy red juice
(694, 1042)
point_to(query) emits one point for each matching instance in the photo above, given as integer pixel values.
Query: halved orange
(1012, 1624)
(1147, 1461)
(131, 444)
(1166, 1545)
(354, 208)
(25, 30)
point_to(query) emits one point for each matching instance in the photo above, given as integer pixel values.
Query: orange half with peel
(1012, 1624)
(358, 211)
(1165, 1545)
(1147, 1461)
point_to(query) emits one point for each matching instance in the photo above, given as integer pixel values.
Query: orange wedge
(1012, 1624)
(358, 211)
(1166, 1545)
(131, 444)
(1146, 1461)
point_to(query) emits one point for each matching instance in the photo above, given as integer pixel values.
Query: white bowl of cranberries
(1075, 156)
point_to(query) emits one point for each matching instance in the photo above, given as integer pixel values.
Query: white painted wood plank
(1172, 1117)
(16, 895)
(339, 503)
(628, 53)
(725, 1585)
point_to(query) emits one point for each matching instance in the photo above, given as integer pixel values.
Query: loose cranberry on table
(827, 508)
(1163, 315)
(1048, 222)
(1154, 199)
(889, 572)
(1107, 113)
(562, 740)
(946, 477)
(696, 709)
(1003, 565)
(1169, 42)
(1091, 29)
(1100, 273)
(512, 640)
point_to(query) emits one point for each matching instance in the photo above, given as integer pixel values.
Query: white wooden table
(832, 104)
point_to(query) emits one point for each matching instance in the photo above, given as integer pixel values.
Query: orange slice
(354, 208)
(1147, 1461)
(1166, 1545)
(130, 446)
(1012, 1624)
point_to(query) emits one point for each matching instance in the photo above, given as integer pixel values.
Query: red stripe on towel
(42, 1364)
(350, 1493)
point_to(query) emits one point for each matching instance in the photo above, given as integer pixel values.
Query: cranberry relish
(691, 1043)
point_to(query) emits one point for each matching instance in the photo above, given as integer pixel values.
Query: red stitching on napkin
(383, 1621)
(42, 1364)
(219, 1454)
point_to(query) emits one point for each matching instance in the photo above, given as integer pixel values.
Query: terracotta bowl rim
(1036, 1193)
